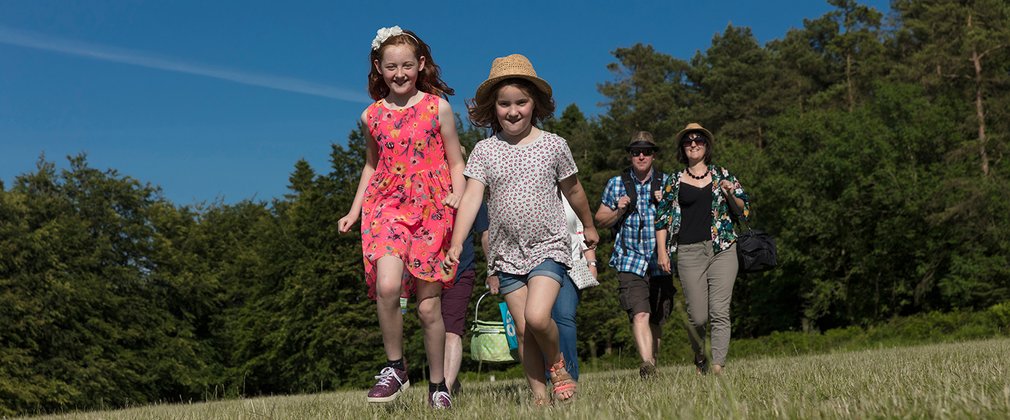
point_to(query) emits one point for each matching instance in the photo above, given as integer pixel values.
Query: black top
(695, 213)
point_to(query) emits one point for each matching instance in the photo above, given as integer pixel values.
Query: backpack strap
(631, 190)
(629, 186)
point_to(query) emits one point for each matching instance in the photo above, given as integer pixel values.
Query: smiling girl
(410, 186)
(523, 168)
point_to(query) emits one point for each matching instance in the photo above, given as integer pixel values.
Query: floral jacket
(668, 211)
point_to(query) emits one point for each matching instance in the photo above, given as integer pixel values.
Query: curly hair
(429, 80)
(482, 110)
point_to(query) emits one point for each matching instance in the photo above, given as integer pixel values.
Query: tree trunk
(980, 114)
(848, 81)
(976, 60)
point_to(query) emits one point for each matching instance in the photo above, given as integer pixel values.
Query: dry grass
(958, 380)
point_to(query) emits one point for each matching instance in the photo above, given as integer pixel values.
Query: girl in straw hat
(523, 168)
(407, 197)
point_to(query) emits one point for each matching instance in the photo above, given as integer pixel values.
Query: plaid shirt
(635, 244)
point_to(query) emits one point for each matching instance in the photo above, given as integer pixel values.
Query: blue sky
(217, 100)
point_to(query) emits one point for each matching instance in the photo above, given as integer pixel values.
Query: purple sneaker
(391, 382)
(439, 400)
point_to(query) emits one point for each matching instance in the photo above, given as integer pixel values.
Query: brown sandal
(562, 381)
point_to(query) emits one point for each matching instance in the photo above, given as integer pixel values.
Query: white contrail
(118, 55)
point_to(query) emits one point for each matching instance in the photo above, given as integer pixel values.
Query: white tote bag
(579, 272)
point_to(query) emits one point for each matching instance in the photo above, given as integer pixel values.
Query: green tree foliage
(733, 76)
(93, 315)
(961, 51)
(856, 48)
(846, 214)
(650, 92)
(832, 60)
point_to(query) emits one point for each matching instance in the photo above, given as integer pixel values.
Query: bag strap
(657, 185)
(476, 308)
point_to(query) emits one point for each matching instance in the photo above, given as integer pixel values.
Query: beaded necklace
(702, 176)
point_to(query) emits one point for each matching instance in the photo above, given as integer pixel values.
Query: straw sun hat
(694, 127)
(513, 66)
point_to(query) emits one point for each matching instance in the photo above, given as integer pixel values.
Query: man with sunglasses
(629, 207)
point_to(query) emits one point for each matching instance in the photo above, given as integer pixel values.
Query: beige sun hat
(694, 127)
(513, 66)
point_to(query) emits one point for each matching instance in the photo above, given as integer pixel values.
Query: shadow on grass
(399, 406)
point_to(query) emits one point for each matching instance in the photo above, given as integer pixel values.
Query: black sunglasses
(698, 140)
(643, 152)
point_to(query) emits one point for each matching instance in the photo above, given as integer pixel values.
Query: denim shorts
(509, 282)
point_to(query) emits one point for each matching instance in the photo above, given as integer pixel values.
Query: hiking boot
(390, 384)
(439, 400)
(647, 370)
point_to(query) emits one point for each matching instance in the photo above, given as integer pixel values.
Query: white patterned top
(524, 205)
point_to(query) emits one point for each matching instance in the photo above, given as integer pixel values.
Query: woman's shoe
(647, 370)
(701, 366)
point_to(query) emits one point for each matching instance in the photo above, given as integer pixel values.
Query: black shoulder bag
(755, 249)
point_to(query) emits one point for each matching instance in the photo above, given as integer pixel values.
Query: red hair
(429, 80)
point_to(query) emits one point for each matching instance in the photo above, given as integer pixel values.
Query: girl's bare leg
(429, 310)
(542, 347)
(388, 285)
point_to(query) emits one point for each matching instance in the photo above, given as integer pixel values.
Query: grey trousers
(707, 279)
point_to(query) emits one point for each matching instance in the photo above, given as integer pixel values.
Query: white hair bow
(383, 34)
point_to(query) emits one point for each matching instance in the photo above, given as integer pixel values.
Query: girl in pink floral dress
(407, 197)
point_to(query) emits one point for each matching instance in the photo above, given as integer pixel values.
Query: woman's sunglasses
(700, 141)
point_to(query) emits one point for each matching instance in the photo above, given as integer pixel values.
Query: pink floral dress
(403, 214)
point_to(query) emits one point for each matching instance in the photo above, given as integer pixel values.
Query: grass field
(952, 380)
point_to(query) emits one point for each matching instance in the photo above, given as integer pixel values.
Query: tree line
(873, 147)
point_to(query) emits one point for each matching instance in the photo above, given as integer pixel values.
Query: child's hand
(345, 223)
(452, 200)
(592, 237)
(493, 283)
(452, 256)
